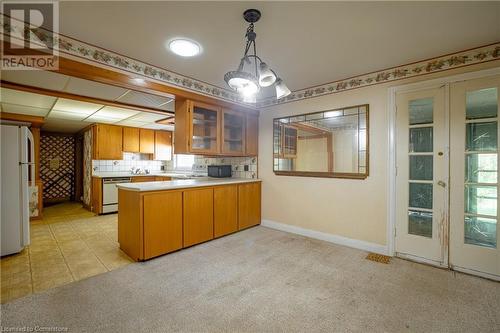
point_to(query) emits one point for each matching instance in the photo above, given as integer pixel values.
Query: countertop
(182, 183)
(121, 174)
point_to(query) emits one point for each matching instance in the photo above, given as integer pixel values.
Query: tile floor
(69, 244)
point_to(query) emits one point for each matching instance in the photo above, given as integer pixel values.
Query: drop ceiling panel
(93, 89)
(158, 126)
(11, 96)
(149, 117)
(148, 100)
(116, 113)
(63, 125)
(133, 123)
(101, 119)
(23, 109)
(41, 79)
(54, 114)
(69, 105)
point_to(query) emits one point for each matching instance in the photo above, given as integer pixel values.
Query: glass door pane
(234, 133)
(421, 160)
(204, 129)
(481, 167)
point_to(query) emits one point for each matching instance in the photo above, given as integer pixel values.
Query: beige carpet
(262, 280)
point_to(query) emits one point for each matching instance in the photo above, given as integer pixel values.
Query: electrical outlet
(245, 167)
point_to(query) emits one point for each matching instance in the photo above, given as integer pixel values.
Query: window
(183, 162)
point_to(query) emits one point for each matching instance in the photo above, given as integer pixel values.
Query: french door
(447, 176)
(474, 172)
(421, 180)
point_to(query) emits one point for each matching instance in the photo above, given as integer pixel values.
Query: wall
(57, 166)
(355, 209)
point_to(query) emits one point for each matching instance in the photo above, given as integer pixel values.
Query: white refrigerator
(17, 162)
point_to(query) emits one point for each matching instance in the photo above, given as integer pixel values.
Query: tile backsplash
(131, 160)
(237, 165)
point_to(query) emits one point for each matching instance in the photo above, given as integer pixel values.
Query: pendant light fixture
(249, 82)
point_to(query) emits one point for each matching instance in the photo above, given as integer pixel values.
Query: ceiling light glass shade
(266, 76)
(243, 82)
(281, 89)
(184, 47)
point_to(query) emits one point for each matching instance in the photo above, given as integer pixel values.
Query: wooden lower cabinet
(248, 205)
(198, 216)
(96, 195)
(155, 223)
(162, 226)
(140, 179)
(225, 210)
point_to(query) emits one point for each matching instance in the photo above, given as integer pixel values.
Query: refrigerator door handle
(31, 141)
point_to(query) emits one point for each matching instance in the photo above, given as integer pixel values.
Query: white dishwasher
(110, 193)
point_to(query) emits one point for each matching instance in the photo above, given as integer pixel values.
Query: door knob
(441, 183)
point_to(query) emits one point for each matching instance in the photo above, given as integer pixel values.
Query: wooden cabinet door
(249, 205)
(204, 128)
(146, 141)
(163, 146)
(141, 179)
(108, 142)
(252, 136)
(162, 178)
(131, 139)
(162, 223)
(225, 210)
(233, 132)
(96, 195)
(198, 216)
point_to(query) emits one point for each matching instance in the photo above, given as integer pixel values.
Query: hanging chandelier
(248, 82)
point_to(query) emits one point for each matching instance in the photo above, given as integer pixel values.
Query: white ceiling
(307, 43)
(69, 116)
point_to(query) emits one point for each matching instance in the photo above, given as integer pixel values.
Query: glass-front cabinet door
(233, 133)
(204, 124)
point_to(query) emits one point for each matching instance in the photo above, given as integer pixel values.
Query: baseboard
(340, 240)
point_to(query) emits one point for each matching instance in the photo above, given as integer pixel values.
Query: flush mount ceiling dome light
(184, 47)
(246, 82)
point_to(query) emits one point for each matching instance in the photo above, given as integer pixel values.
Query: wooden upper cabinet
(233, 131)
(107, 142)
(197, 128)
(210, 130)
(131, 139)
(163, 146)
(146, 141)
(252, 135)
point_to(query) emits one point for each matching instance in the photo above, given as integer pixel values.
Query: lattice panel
(57, 166)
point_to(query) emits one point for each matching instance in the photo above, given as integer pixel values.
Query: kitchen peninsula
(156, 218)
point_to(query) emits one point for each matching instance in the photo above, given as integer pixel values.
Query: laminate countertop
(181, 183)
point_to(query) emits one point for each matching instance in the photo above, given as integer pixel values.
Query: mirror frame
(345, 175)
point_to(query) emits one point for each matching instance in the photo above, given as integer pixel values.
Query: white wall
(355, 209)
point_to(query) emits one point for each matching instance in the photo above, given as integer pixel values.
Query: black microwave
(219, 171)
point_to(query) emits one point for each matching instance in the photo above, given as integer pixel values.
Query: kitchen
(167, 174)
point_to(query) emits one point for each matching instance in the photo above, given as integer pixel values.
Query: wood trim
(61, 94)
(35, 121)
(322, 174)
(89, 72)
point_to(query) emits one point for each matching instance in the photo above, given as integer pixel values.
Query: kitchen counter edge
(181, 184)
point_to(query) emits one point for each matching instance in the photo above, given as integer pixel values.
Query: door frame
(391, 142)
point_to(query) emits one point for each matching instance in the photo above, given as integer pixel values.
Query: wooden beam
(61, 94)
(35, 121)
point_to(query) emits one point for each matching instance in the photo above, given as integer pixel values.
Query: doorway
(446, 175)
